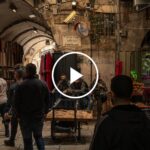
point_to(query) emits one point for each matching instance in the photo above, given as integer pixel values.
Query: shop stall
(10, 55)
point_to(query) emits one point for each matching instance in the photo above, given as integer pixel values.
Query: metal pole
(91, 55)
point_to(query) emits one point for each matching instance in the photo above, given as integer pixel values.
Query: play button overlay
(75, 75)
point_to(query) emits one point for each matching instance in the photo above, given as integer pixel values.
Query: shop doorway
(138, 60)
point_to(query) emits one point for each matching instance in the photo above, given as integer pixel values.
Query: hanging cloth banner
(48, 69)
(118, 67)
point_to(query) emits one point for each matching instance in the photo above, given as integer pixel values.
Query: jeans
(14, 127)
(31, 127)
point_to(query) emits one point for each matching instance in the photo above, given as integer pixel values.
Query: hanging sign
(71, 40)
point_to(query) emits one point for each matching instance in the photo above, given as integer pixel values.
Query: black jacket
(11, 94)
(123, 128)
(32, 98)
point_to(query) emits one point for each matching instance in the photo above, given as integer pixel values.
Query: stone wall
(136, 25)
(133, 28)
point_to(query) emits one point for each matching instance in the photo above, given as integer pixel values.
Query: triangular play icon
(74, 75)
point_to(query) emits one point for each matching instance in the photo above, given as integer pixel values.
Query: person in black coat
(32, 105)
(18, 75)
(125, 127)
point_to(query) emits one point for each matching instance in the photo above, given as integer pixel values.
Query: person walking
(18, 76)
(3, 103)
(125, 126)
(32, 105)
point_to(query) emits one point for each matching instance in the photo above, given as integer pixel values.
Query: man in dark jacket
(125, 127)
(18, 75)
(32, 104)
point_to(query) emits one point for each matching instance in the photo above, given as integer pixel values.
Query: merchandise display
(46, 68)
(138, 88)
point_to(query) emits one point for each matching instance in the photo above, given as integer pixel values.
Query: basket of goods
(138, 88)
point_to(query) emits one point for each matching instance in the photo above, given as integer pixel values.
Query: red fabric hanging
(118, 69)
(48, 69)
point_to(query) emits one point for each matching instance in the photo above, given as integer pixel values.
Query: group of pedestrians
(27, 104)
(18, 76)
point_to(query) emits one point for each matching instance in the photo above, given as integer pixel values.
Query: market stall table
(69, 115)
(147, 93)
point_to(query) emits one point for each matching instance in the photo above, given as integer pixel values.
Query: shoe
(9, 143)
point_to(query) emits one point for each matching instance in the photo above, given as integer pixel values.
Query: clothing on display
(49, 64)
(3, 89)
(46, 69)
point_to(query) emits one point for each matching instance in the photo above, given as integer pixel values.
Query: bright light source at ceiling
(14, 10)
(12, 7)
(32, 16)
(74, 4)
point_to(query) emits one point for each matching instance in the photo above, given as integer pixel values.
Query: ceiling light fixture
(47, 42)
(32, 16)
(12, 7)
(74, 4)
(35, 30)
(59, 2)
(88, 6)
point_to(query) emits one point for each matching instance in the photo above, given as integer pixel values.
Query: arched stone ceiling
(19, 27)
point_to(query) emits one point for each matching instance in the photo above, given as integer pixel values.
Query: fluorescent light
(32, 16)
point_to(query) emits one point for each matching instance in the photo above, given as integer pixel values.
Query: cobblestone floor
(63, 143)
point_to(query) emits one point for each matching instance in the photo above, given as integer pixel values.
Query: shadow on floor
(65, 140)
